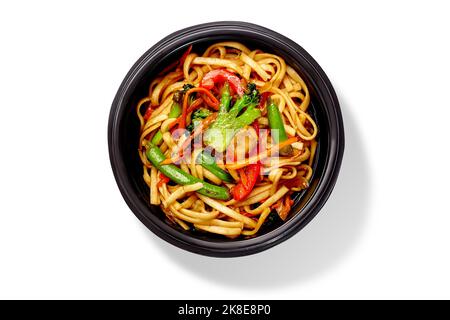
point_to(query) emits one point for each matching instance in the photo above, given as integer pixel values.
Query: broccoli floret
(187, 87)
(249, 99)
(251, 90)
(197, 117)
(178, 95)
(201, 113)
(221, 132)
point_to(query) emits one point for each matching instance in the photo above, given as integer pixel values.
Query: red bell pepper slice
(162, 180)
(148, 113)
(220, 76)
(249, 177)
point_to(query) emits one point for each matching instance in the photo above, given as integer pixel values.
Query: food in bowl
(226, 139)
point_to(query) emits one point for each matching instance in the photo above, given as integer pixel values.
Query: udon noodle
(245, 109)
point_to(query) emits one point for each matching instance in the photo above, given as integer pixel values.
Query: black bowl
(123, 136)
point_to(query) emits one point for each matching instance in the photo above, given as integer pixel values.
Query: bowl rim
(240, 247)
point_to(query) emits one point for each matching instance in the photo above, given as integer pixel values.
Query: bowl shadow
(325, 242)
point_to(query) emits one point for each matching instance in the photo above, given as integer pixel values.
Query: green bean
(209, 163)
(174, 113)
(155, 156)
(277, 126)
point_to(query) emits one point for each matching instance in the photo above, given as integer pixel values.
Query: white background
(65, 231)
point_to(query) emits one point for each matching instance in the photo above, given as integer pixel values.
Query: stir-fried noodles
(226, 139)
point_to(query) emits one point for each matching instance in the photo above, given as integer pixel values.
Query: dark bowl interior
(123, 136)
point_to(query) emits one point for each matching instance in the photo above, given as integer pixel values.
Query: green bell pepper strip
(209, 163)
(174, 113)
(155, 156)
